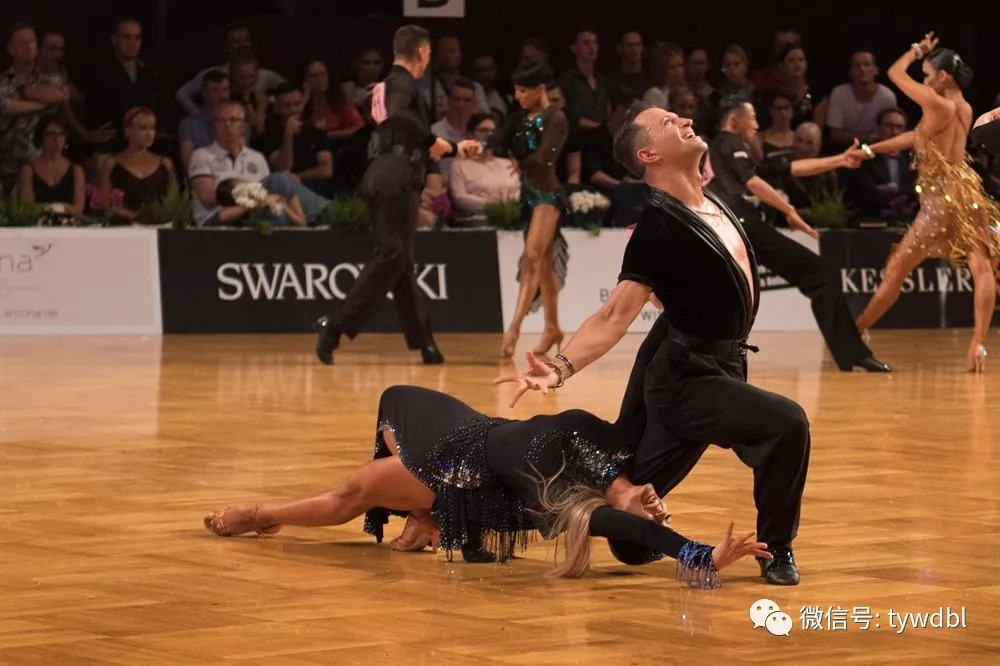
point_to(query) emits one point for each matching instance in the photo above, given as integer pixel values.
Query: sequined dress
(956, 215)
(536, 143)
(486, 473)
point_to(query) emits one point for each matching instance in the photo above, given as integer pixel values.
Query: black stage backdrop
(229, 281)
(936, 295)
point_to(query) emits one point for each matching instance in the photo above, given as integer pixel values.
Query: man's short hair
(16, 28)
(886, 112)
(286, 88)
(730, 105)
(408, 40)
(630, 138)
(237, 26)
(230, 104)
(464, 83)
(214, 76)
(126, 19)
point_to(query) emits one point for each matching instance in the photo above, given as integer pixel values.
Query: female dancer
(492, 480)
(957, 220)
(535, 135)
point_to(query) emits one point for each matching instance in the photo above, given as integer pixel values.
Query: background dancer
(957, 220)
(391, 187)
(735, 179)
(535, 136)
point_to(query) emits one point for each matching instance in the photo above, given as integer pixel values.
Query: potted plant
(15, 211)
(175, 209)
(347, 213)
(828, 210)
(504, 214)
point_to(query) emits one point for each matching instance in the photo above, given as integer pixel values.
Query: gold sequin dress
(956, 215)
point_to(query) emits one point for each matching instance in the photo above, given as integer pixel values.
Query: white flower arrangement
(585, 201)
(253, 196)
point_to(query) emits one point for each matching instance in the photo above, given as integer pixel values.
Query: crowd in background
(280, 141)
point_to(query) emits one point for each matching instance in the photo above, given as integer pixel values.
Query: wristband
(559, 374)
(868, 150)
(919, 51)
(569, 366)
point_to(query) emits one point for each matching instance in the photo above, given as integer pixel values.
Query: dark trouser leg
(411, 307)
(393, 213)
(769, 432)
(817, 280)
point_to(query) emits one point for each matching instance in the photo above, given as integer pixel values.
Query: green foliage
(504, 214)
(15, 211)
(828, 211)
(345, 213)
(176, 208)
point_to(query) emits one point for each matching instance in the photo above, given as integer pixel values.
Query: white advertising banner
(434, 8)
(594, 264)
(79, 281)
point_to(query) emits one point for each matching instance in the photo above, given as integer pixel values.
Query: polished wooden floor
(111, 451)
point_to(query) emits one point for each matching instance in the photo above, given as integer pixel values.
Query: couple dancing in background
(392, 186)
(477, 482)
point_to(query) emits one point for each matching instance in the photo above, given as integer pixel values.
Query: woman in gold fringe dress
(957, 219)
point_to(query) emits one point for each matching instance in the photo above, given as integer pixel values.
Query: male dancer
(690, 251)
(735, 179)
(391, 187)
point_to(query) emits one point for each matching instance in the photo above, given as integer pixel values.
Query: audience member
(295, 147)
(123, 83)
(533, 50)
(802, 190)
(601, 170)
(734, 85)
(854, 107)
(794, 66)
(24, 97)
(367, 72)
(484, 69)
(454, 125)
(245, 87)
(629, 79)
(139, 175)
(327, 107)
(436, 84)
(198, 131)
(776, 144)
(585, 89)
(696, 68)
(569, 164)
(774, 76)
(51, 178)
(683, 102)
(475, 183)
(238, 40)
(666, 72)
(884, 187)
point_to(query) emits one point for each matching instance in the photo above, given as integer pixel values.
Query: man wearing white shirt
(854, 106)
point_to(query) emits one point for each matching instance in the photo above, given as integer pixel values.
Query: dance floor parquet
(112, 450)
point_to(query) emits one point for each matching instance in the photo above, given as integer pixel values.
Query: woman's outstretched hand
(539, 377)
(731, 550)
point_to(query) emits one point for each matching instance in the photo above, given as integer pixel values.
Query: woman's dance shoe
(977, 360)
(508, 343)
(417, 535)
(549, 339)
(234, 521)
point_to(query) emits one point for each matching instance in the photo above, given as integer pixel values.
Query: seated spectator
(294, 146)
(461, 105)
(198, 131)
(367, 71)
(665, 72)
(533, 50)
(776, 144)
(327, 108)
(238, 40)
(774, 76)
(696, 69)
(802, 190)
(883, 187)
(51, 178)
(585, 89)
(853, 108)
(795, 66)
(604, 173)
(477, 182)
(229, 158)
(569, 164)
(140, 176)
(245, 87)
(735, 83)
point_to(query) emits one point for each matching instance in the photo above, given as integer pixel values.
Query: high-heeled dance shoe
(223, 523)
(508, 344)
(417, 535)
(978, 361)
(550, 338)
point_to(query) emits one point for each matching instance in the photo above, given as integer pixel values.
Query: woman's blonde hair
(567, 512)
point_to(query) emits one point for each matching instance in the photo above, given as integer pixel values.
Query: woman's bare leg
(901, 263)
(985, 301)
(549, 284)
(539, 241)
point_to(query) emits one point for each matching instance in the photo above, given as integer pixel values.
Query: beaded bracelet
(559, 374)
(569, 366)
